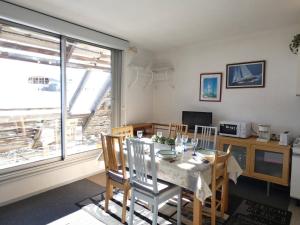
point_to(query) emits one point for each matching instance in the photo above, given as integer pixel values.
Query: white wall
(276, 104)
(25, 187)
(137, 100)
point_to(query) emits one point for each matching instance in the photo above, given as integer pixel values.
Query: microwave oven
(235, 129)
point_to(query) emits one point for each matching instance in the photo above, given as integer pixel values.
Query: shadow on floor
(256, 191)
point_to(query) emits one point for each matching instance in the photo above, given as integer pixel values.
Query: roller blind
(45, 22)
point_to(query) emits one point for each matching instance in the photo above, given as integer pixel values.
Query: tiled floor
(100, 179)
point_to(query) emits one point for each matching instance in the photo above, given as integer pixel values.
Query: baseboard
(50, 188)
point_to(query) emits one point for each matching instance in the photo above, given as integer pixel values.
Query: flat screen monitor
(191, 119)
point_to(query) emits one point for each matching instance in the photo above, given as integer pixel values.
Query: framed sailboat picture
(210, 87)
(246, 75)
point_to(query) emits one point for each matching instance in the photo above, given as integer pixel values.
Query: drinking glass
(185, 139)
(194, 142)
(139, 134)
(159, 134)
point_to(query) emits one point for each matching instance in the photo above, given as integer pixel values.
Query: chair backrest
(111, 145)
(125, 131)
(220, 166)
(138, 167)
(208, 135)
(175, 128)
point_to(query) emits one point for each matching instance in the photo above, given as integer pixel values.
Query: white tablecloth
(191, 172)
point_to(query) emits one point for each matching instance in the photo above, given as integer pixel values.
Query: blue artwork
(251, 74)
(210, 87)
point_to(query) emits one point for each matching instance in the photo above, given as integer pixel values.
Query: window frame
(62, 160)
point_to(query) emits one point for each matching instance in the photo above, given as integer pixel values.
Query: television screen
(196, 118)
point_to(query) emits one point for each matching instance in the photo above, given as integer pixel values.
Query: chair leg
(132, 206)
(179, 208)
(213, 209)
(222, 202)
(129, 194)
(125, 196)
(155, 213)
(108, 193)
(224, 197)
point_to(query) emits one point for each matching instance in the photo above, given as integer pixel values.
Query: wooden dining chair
(175, 128)
(116, 175)
(145, 185)
(219, 183)
(207, 137)
(125, 131)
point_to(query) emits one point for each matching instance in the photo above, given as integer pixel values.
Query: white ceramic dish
(166, 154)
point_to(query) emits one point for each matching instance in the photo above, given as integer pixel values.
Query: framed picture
(246, 75)
(210, 87)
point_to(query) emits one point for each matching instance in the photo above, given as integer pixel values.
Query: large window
(88, 96)
(31, 93)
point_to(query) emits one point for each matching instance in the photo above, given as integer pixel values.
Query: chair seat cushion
(118, 176)
(147, 189)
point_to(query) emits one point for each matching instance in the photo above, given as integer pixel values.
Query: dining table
(192, 172)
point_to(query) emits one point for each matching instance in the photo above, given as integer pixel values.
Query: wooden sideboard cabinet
(147, 129)
(266, 161)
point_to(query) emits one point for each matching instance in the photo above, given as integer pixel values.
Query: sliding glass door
(49, 109)
(30, 96)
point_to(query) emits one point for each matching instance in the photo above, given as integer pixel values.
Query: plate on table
(166, 154)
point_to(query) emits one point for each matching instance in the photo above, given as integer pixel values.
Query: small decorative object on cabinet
(210, 87)
(285, 138)
(246, 75)
(264, 133)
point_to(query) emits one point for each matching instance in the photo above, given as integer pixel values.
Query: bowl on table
(166, 154)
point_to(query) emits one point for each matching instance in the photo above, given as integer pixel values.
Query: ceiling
(158, 25)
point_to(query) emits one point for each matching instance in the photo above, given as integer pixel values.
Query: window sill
(49, 166)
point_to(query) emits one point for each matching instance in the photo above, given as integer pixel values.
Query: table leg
(197, 211)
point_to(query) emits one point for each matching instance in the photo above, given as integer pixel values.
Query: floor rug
(49, 206)
(253, 213)
(167, 211)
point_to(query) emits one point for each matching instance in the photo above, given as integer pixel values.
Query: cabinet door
(270, 164)
(240, 151)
